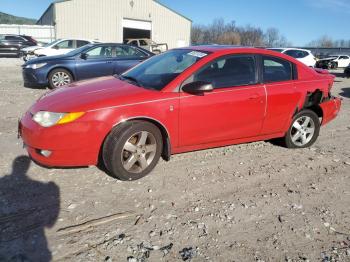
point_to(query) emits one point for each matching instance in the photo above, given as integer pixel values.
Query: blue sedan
(89, 61)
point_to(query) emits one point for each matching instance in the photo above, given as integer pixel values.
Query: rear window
(276, 69)
(296, 53)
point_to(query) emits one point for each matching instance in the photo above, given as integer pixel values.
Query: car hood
(46, 59)
(327, 59)
(94, 94)
(31, 48)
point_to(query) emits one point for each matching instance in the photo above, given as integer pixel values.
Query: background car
(347, 71)
(147, 44)
(89, 61)
(179, 101)
(58, 47)
(333, 62)
(10, 45)
(303, 55)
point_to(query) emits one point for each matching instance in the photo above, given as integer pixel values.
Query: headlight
(36, 66)
(47, 119)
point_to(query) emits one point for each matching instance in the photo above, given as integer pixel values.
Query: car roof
(288, 48)
(229, 48)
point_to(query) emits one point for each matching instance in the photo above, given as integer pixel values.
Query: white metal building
(116, 20)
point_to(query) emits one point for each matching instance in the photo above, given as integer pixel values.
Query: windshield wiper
(132, 79)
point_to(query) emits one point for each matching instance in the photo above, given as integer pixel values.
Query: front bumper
(73, 144)
(330, 109)
(34, 77)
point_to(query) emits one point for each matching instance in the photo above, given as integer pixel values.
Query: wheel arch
(60, 67)
(166, 152)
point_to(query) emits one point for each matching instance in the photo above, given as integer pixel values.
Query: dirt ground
(250, 202)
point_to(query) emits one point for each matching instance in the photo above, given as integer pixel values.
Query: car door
(12, 44)
(234, 109)
(126, 57)
(343, 61)
(279, 77)
(96, 62)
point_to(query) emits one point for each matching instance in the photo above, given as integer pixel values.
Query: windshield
(80, 49)
(158, 71)
(52, 43)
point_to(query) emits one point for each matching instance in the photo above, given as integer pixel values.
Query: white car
(303, 55)
(334, 61)
(58, 47)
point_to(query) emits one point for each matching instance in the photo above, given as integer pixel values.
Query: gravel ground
(250, 202)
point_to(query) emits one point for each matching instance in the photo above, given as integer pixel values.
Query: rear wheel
(304, 130)
(59, 77)
(132, 150)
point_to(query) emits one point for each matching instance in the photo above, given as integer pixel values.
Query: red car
(182, 100)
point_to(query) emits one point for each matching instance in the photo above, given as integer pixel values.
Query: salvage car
(333, 62)
(303, 55)
(57, 47)
(182, 100)
(10, 45)
(347, 71)
(148, 44)
(89, 61)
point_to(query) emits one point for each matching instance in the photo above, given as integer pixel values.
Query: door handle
(109, 62)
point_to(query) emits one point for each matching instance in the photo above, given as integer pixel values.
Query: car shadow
(27, 207)
(338, 74)
(345, 92)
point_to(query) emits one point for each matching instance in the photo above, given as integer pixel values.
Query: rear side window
(229, 71)
(344, 57)
(128, 51)
(276, 69)
(13, 38)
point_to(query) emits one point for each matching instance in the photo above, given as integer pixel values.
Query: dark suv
(10, 45)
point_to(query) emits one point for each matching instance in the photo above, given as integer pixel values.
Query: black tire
(306, 113)
(113, 149)
(52, 85)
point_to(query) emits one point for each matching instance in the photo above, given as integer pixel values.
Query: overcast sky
(301, 21)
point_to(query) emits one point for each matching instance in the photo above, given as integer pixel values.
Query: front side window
(344, 57)
(158, 71)
(134, 42)
(67, 44)
(276, 69)
(81, 43)
(143, 42)
(99, 52)
(229, 71)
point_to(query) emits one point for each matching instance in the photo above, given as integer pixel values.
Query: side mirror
(84, 56)
(197, 87)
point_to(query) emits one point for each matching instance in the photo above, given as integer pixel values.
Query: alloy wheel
(138, 152)
(60, 79)
(302, 131)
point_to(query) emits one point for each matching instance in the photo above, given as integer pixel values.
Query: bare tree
(219, 32)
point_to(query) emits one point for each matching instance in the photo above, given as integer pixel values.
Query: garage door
(136, 29)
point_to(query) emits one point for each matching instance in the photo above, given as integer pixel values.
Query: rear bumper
(330, 109)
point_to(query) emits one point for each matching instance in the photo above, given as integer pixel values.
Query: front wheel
(304, 130)
(132, 150)
(59, 77)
